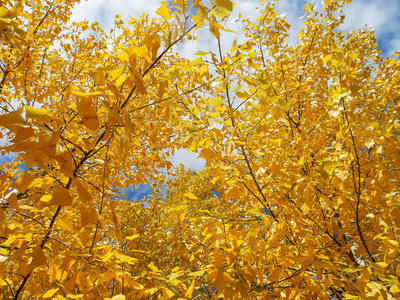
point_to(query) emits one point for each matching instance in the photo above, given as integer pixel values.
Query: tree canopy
(299, 198)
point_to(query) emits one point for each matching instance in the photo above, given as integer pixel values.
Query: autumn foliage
(299, 198)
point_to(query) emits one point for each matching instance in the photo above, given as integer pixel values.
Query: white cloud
(189, 159)
(103, 11)
(382, 15)
(293, 11)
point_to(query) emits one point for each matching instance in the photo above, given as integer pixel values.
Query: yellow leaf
(65, 224)
(219, 260)
(42, 182)
(274, 276)
(82, 95)
(38, 258)
(5, 282)
(142, 52)
(214, 26)
(98, 75)
(395, 288)
(242, 95)
(163, 11)
(154, 46)
(132, 237)
(379, 265)
(191, 196)
(88, 112)
(193, 146)
(50, 293)
(61, 196)
(327, 168)
(239, 143)
(227, 4)
(167, 113)
(75, 296)
(233, 192)
(106, 257)
(26, 207)
(120, 80)
(118, 297)
(301, 161)
(125, 258)
(201, 53)
(46, 198)
(161, 89)
(255, 211)
(3, 12)
(84, 282)
(65, 161)
(22, 182)
(33, 112)
(197, 273)
(89, 216)
(84, 195)
(326, 58)
(189, 291)
(3, 258)
(153, 267)
(167, 293)
(139, 82)
(217, 101)
(116, 73)
(390, 243)
(11, 119)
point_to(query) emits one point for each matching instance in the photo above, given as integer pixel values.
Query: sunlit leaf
(163, 11)
(190, 196)
(50, 293)
(189, 291)
(32, 112)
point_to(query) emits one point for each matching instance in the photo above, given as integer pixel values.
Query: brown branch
(101, 204)
(12, 292)
(357, 185)
(3, 80)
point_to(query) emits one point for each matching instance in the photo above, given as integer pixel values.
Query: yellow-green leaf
(33, 112)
